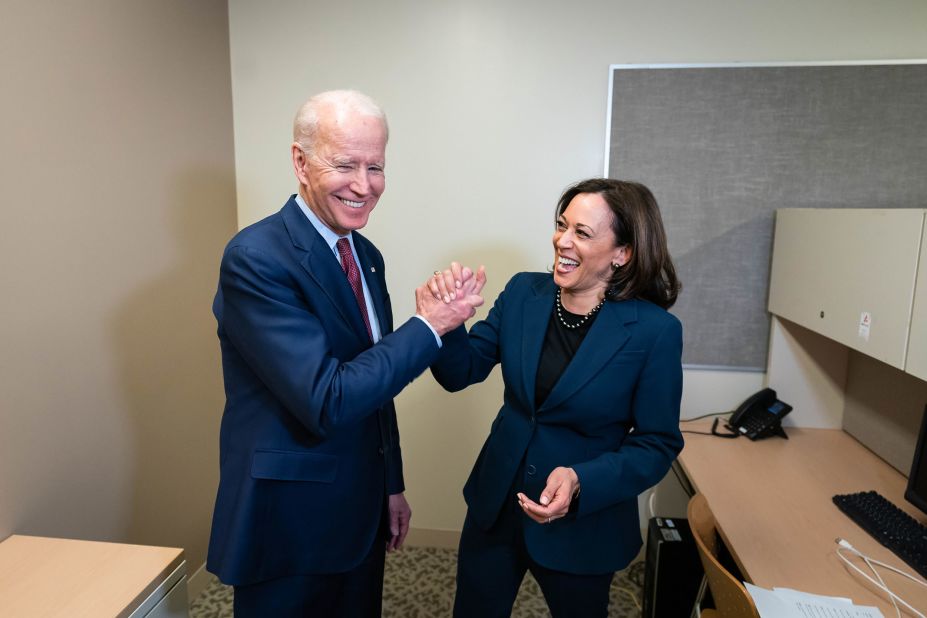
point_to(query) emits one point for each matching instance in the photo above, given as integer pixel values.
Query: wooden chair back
(731, 598)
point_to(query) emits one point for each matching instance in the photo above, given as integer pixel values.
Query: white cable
(847, 545)
(650, 501)
(631, 594)
(882, 583)
(892, 596)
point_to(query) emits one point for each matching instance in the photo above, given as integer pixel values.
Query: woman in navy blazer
(591, 363)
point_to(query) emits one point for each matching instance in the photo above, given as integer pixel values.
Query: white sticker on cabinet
(865, 321)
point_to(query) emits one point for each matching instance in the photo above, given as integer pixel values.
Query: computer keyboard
(889, 525)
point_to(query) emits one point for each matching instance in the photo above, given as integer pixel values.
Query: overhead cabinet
(857, 276)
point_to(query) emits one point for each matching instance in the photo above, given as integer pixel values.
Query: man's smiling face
(343, 176)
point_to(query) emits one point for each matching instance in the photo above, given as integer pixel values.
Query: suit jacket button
(380, 450)
(531, 470)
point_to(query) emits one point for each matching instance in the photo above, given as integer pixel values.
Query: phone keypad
(755, 424)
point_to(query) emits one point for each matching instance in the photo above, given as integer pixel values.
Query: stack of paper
(788, 603)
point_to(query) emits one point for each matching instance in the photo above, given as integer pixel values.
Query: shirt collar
(329, 236)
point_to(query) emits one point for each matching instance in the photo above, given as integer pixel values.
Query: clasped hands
(450, 298)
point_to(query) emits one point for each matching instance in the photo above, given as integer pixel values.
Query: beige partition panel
(883, 409)
(849, 275)
(916, 362)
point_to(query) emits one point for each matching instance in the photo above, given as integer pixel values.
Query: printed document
(788, 603)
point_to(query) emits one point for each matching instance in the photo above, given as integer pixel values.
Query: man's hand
(446, 305)
(399, 516)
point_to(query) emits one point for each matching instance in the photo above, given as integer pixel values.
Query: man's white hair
(306, 123)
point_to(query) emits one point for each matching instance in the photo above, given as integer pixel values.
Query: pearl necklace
(586, 317)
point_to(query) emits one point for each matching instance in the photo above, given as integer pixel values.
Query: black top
(560, 345)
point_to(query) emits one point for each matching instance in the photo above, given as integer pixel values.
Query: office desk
(772, 503)
(46, 577)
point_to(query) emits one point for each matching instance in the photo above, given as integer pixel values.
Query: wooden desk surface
(61, 577)
(772, 503)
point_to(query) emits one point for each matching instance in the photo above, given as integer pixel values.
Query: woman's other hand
(554, 503)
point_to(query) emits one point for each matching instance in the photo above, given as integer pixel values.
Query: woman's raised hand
(448, 284)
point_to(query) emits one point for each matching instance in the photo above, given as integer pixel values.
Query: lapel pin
(372, 269)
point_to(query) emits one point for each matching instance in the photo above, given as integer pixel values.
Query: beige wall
(494, 108)
(118, 194)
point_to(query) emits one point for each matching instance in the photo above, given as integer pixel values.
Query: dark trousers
(491, 565)
(357, 593)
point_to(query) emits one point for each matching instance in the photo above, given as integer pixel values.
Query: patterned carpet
(419, 583)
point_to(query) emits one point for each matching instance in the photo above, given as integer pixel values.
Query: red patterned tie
(353, 273)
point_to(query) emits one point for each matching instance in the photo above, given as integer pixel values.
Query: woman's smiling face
(585, 246)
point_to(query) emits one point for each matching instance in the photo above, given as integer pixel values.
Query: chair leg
(697, 606)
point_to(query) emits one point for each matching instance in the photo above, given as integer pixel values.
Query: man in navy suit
(311, 490)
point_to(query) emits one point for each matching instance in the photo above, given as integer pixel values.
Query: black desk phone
(759, 416)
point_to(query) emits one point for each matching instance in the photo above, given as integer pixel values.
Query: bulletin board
(723, 146)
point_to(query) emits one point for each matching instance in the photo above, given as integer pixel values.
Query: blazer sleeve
(649, 449)
(392, 453)
(285, 344)
(468, 358)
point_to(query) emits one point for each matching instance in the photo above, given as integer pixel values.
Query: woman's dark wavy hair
(637, 223)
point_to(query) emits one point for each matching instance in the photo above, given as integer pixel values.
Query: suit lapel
(534, 326)
(323, 268)
(605, 338)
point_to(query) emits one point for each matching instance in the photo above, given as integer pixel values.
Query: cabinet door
(848, 274)
(916, 363)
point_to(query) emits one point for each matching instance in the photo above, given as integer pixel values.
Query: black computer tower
(673, 570)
